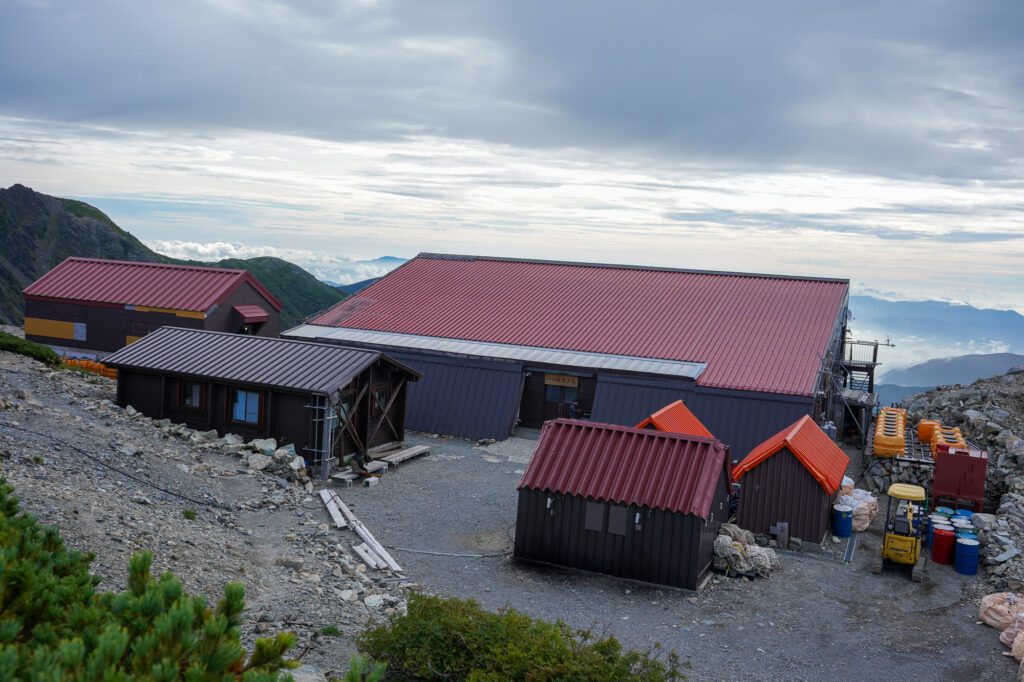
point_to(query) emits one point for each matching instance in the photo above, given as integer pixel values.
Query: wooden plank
(366, 535)
(397, 457)
(332, 509)
(368, 557)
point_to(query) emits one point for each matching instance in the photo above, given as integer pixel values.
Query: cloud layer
(876, 141)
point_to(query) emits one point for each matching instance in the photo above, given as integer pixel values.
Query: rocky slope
(990, 413)
(117, 482)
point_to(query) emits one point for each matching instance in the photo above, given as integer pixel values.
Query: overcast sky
(878, 141)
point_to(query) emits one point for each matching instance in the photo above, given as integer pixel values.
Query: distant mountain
(350, 289)
(891, 393)
(38, 231)
(923, 330)
(965, 369)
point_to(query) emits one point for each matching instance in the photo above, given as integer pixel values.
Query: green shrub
(189, 514)
(330, 631)
(37, 351)
(444, 638)
(54, 625)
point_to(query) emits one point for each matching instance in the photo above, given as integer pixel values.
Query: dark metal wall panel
(628, 400)
(781, 489)
(745, 419)
(462, 397)
(141, 391)
(107, 328)
(665, 550)
(718, 514)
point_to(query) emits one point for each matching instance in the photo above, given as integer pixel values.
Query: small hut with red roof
(634, 503)
(793, 477)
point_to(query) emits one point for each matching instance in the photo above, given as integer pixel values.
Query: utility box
(959, 476)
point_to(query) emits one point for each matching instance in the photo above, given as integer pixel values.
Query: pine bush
(55, 625)
(451, 639)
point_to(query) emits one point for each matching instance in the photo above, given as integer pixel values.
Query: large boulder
(267, 446)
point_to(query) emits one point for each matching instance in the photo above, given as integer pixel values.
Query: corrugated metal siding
(742, 419)
(781, 489)
(299, 365)
(461, 397)
(755, 332)
(623, 399)
(666, 550)
(157, 285)
(626, 465)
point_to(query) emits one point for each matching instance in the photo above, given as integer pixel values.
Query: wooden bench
(348, 476)
(396, 458)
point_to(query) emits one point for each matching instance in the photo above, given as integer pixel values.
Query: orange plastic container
(925, 429)
(947, 436)
(890, 436)
(91, 366)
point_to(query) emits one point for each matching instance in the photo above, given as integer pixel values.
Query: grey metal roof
(483, 349)
(257, 360)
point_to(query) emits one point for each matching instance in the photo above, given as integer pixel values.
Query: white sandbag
(736, 533)
(1016, 625)
(763, 559)
(1017, 649)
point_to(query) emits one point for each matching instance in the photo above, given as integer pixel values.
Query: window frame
(233, 394)
(183, 394)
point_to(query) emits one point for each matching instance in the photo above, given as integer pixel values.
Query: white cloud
(325, 267)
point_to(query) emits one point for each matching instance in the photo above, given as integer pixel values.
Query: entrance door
(560, 390)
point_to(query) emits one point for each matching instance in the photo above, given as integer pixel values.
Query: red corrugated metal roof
(812, 446)
(676, 418)
(251, 313)
(626, 465)
(154, 285)
(754, 332)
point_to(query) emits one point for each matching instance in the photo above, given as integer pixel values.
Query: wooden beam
(384, 414)
(332, 509)
(365, 534)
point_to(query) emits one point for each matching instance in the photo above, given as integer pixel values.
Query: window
(191, 394)
(594, 516)
(618, 515)
(380, 399)
(245, 407)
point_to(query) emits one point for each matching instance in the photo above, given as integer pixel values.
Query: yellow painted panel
(195, 314)
(54, 329)
(128, 340)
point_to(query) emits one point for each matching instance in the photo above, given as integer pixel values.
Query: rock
(23, 394)
(130, 411)
(307, 673)
(210, 435)
(983, 521)
(1004, 438)
(128, 450)
(1007, 555)
(182, 467)
(373, 601)
(293, 562)
(297, 464)
(267, 446)
(233, 439)
(285, 453)
(141, 499)
(259, 462)
(1016, 369)
(348, 595)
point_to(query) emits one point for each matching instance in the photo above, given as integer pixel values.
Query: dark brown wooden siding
(665, 548)
(781, 489)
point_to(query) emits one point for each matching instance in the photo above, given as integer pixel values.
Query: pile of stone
(990, 414)
(884, 471)
(261, 454)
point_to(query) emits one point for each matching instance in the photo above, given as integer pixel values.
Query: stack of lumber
(369, 550)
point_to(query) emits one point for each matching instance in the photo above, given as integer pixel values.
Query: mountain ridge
(39, 231)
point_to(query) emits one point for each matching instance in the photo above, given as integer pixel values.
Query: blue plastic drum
(842, 521)
(966, 556)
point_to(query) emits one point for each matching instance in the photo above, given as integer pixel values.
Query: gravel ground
(813, 619)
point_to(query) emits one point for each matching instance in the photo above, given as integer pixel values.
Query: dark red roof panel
(816, 451)
(153, 285)
(754, 332)
(252, 313)
(676, 418)
(626, 465)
